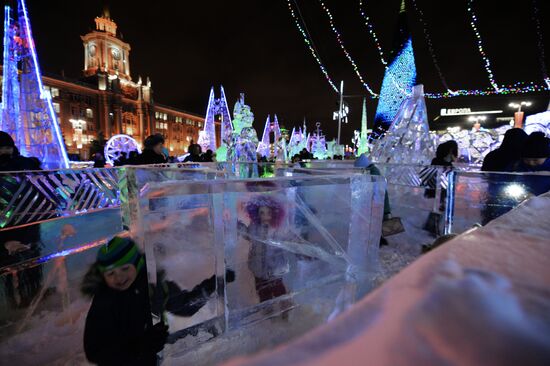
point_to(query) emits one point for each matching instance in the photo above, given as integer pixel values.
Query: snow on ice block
(480, 299)
(231, 253)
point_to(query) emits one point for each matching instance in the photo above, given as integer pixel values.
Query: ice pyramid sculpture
(264, 148)
(27, 110)
(407, 140)
(216, 106)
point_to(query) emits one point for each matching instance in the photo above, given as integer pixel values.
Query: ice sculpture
(243, 142)
(318, 145)
(475, 144)
(408, 140)
(27, 110)
(216, 107)
(264, 147)
(283, 238)
(363, 143)
(538, 122)
(298, 141)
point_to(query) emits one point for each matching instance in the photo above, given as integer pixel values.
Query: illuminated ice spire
(363, 146)
(37, 132)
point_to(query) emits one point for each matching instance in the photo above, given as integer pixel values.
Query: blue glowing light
(399, 79)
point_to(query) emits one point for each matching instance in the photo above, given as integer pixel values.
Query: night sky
(253, 46)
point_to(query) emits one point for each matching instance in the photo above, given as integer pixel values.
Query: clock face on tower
(116, 53)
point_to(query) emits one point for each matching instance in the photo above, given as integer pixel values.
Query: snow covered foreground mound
(481, 299)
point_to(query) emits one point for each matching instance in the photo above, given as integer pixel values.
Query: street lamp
(519, 105)
(518, 115)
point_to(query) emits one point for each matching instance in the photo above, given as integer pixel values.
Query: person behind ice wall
(390, 225)
(195, 151)
(119, 328)
(508, 152)
(20, 244)
(153, 152)
(446, 154)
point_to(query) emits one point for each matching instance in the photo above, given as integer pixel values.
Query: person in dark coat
(446, 154)
(11, 160)
(152, 152)
(194, 156)
(119, 329)
(19, 244)
(508, 152)
(99, 161)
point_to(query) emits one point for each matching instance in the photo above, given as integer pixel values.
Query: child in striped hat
(119, 328)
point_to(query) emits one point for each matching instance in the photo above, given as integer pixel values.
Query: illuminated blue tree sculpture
(27, 110)
(399, 79)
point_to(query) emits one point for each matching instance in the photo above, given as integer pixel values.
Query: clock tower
(104, 52)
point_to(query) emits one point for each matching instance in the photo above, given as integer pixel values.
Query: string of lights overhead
(515, 88)
(486, 61)
(309, 44)
(431, 50)
(540, 43)
(343, 47)
(372, 32)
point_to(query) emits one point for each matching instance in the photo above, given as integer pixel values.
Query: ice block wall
(276, 248)
(480, 299)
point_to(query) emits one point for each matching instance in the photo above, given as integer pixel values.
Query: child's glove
(155, 337)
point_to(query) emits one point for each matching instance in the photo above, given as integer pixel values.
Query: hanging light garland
(430, 46)
(343, 47)
(309, 44)
(540, 43)
(372, 33)
(487, 65)
(516, 88)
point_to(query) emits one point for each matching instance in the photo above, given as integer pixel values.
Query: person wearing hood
(11, 160)
(508, 152)
(390, 226)
(19, 244)
(119, 329)
(153, 152)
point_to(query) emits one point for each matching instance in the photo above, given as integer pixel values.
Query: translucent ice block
(295, 244)
(479, 197)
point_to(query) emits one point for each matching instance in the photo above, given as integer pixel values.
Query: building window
(75, 111)
(55, 92)
(179, 119)
(56, 107)
(199, 124)
(89, 113)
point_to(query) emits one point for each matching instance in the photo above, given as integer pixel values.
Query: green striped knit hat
(118, 252)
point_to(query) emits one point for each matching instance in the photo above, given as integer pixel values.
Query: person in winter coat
(535, 157)
(390, 225)
(20, 244)
(11, 160)
(152, 152)
(508, 152)
(119, 329)
(194, 156)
